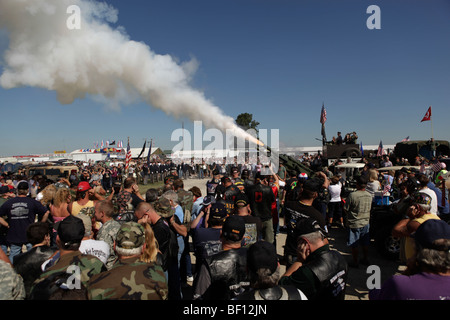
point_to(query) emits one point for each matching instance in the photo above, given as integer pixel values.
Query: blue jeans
(359, 236)
(180, 240)
(16, 249)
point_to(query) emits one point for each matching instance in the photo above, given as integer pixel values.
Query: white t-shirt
(97, 248)
(335, 192)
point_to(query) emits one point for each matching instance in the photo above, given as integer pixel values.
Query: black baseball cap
(218, 211)
(234, 228)
(308, 225)
(4, 189)
(70, 230)
(23, 185)
(225, 179)
(241, 200)
(430, 231)
(261, 255)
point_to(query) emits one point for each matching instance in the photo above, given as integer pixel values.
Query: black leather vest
(331, 270)
(228, 274)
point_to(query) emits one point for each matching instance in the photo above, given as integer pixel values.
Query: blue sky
(277, 59)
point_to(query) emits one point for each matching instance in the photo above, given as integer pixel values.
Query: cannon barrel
(289, 162)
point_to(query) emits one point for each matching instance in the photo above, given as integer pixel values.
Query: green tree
(245, 121)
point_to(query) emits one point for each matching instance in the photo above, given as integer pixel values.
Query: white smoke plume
(97, 60)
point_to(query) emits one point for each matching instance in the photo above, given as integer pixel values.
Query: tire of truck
(353, 153)
(387, 245)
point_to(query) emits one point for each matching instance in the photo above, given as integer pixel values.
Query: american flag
(436, 166)
(406, 139)
(323, 118)
(380, 150)
(323, 115)
(128, 157)
(120, 144)
(387, 188)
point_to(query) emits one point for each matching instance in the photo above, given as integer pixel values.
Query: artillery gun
(290, 163)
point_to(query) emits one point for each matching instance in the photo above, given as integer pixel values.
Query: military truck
(51, 171)
(411, 149)
(343, 151)
(333, 151)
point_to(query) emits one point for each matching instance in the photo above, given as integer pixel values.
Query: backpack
(186, 199)
(171, 254)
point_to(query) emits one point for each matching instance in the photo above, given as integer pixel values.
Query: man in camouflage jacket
(12, 287)
(68, 259)
(129, 278)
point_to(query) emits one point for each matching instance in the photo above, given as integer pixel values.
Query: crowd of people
(94, 235)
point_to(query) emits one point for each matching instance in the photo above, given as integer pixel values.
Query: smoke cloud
(97, 60)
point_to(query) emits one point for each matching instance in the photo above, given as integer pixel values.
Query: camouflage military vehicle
(343, 151)
(411, 149)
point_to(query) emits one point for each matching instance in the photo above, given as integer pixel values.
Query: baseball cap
(421, 198)
(225, 179)
(163, 208)
(70, 230)
(218, 211)
(430, 231)
(130, 235)
(308, 225)
(207, 201)
(262, 255)
(303, 176)
(241, 200)
(4, 189)
(83, 186)
(234, 228)
(23, 185)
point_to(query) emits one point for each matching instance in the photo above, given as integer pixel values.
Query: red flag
(427, 116)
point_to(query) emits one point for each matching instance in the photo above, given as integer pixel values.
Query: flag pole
(431, 118)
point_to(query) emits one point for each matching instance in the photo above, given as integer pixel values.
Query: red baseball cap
(83, 186)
